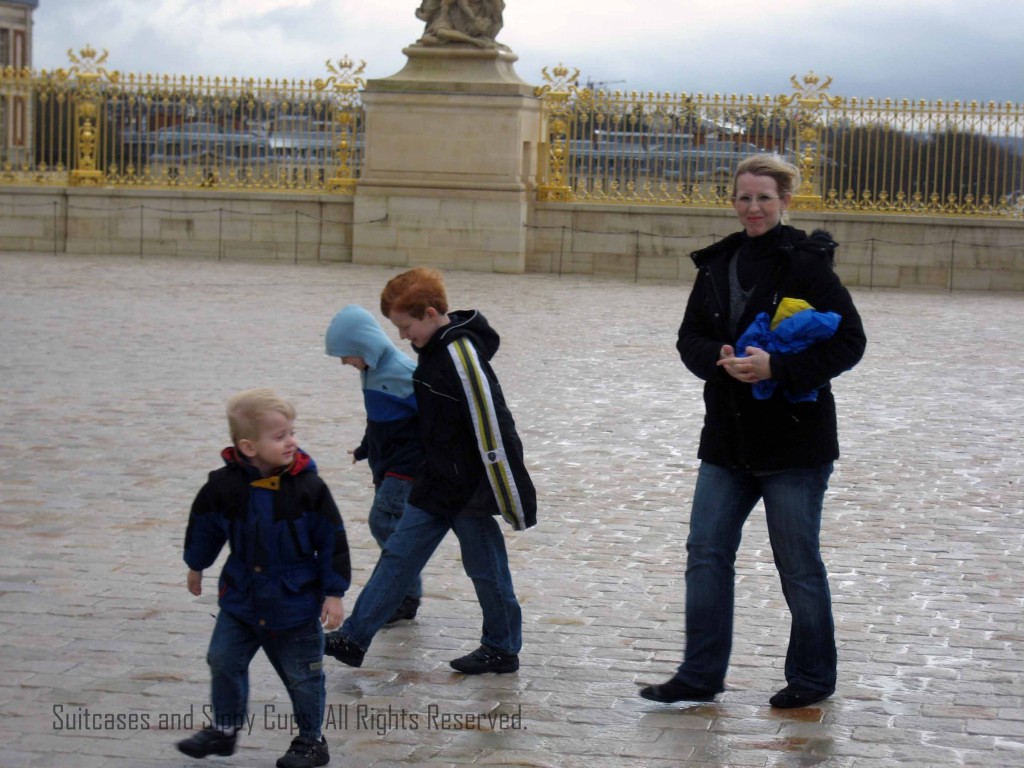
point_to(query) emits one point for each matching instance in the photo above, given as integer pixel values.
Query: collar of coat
(819, 243)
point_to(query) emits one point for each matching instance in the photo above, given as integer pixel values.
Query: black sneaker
(305, 753)
(486, 659)
(796, 696)
(672, 691)
(406, 611)
(209, 741)
(343, 649)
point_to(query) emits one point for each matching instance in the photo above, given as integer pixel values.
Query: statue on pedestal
(476, 22)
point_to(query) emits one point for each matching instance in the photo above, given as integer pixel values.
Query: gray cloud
(942, 49)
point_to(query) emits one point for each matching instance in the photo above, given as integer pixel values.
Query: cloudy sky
(917, 49)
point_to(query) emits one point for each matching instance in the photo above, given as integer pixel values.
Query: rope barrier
(716, 236)
(949, 263)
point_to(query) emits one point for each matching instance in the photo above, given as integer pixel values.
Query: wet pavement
(113, 377)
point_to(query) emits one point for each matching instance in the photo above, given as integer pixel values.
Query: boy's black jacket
(473, 462)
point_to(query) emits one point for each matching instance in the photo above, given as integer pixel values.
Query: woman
(752, 449)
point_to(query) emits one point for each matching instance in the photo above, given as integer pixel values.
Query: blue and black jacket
(288, 549)
(391, 442)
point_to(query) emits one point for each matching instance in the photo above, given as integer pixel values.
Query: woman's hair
(245, 408)
(786, 175)
(413, 291)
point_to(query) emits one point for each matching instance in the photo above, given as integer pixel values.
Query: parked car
(699, 164)
(205, 143)
(628, 156)
(607, 160)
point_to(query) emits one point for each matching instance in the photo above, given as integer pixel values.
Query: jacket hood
(821, 243)
(354, 332)
(469, 323)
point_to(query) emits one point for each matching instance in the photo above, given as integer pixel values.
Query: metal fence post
(558, 113)
(346, 84)
(809, 97)
(88, 123)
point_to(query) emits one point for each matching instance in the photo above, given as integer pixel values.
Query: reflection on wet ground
(114, 375)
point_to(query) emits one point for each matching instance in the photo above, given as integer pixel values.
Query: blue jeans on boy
(408, 549)
(722, 502)
(386, 511)
(296, 655)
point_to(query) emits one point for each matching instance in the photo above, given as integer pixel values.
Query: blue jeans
(388, 505)
(297, 656)
(722, 502)
(408, 549)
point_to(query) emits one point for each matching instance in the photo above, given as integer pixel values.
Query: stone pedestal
(451, 153)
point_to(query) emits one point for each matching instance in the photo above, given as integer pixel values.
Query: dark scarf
(751, 264)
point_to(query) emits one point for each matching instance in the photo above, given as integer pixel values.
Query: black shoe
(209, 741)
(406, 611)
(305, 753)
(486, 659)
(673, 691)
(343, 649)
(796, 696)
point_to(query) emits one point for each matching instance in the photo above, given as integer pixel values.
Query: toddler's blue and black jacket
(287, 540)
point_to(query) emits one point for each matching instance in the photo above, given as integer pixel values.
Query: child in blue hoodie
(391, 443)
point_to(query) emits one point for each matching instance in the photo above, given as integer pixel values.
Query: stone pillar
(449, 163)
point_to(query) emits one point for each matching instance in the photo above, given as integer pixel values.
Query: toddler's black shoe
(673, 691)
(343, 649)
(486, 659)
(305, 753)
(406, 611)
(209, 741)
(796, 696)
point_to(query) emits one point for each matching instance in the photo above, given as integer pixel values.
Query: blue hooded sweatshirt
(391, 442)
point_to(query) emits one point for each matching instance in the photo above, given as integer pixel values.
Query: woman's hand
(755, 367)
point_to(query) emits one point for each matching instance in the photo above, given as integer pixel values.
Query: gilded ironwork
(557, 93)
(893, 157)
(86, 125)
(345, 82)
(90, 75)
(98, 127)
(809, 96)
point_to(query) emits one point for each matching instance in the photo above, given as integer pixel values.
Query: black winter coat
(473, 458)
(764, 435)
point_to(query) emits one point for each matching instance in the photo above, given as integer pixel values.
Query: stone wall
(217, 225)
(615, 241)
(896, 251)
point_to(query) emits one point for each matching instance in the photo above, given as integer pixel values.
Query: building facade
(16, 54)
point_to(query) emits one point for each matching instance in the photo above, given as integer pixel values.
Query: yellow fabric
(787, 308)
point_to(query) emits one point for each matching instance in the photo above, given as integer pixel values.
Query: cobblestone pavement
(113, 379)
